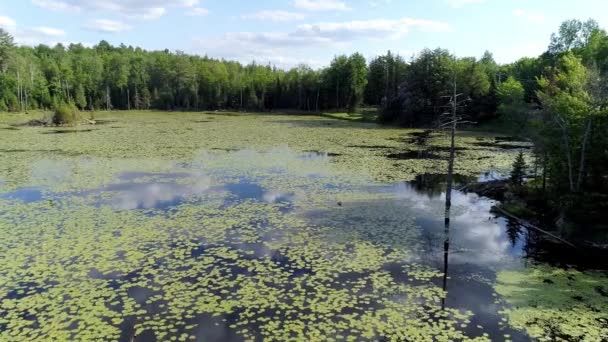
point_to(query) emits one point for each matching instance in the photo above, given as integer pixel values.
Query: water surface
(272, 227)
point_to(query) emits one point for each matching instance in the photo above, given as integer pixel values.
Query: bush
(66, 114)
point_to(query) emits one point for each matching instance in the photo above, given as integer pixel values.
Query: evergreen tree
(518, 173)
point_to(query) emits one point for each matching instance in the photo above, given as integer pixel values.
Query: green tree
(512, 107)
(80, 99)
(357, 80)
(572, 34)
(518, 172)
(6, 46)
(565, 97)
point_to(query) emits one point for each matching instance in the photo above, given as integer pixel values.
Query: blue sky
(288, 32)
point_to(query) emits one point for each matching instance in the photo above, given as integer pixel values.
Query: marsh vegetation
(193, 226)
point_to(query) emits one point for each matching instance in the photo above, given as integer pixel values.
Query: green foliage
(518, 173)
(79, 98)
(385, 75)
(564, 96)
(357, 77)
(66, 114)
(555, 304)
(573, 34)
(6, 46)
(511, 92)
(512, 108)
(430, 77)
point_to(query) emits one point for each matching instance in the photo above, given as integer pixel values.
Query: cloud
(463, 3)
(148, 14)
(376, 28)
(321, 5)
(8, 23)
(535, 18)
(48, 31)
(284, 47)
(275, 15)
(378, 3)
(198, 12)
(136, 9)
(55, 5)
(336, 32)
(31, 36)
(107, 26)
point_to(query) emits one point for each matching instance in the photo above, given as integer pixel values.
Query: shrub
(66, 114)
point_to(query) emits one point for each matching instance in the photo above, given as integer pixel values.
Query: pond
(214, 227)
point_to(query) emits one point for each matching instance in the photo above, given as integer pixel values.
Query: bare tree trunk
(450, 179)
(448, 191)
(387, 82)
(108, 101)
(568, 152)
(318, 93)
(137, 99)
(581, 169)
(545, 173)
(338, 94)
(128, 99)
(19, 90)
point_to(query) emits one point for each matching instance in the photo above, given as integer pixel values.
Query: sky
(286, 33)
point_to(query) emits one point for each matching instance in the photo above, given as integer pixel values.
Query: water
(257, 243)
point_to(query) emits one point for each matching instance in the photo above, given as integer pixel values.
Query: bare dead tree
(450, 121)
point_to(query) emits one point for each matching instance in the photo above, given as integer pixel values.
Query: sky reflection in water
(479, 242)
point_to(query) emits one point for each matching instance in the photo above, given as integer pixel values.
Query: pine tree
(519, 169)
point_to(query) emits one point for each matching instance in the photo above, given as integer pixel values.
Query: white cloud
(275, 15)
(8, 23)
(536, 18)
(136, 9)
(48, 31)
(107, 26)
(337, 32)
(378, 3)
(148, 14)
(31, 36)
(198, 12)
(284, 47)
(321, 5)
(462, 3)
(376, 28)
(55, 5)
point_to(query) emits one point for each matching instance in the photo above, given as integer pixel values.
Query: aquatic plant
(151, 228)
(556, 304)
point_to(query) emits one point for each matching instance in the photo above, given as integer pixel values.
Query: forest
(558, 100)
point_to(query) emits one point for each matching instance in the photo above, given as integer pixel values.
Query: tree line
(124, 77)
(109, 77)
(558, 99)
